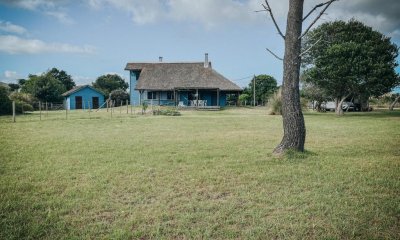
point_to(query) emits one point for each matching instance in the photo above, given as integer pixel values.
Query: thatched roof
(170, 76)
(78, 88)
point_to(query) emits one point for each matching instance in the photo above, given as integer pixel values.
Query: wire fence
(46, 111)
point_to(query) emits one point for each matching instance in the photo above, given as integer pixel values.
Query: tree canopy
(265, 86)
(63, 77)
(349, 59)
(108, 83)
(119, 95)
(5, 102)
(44, 87)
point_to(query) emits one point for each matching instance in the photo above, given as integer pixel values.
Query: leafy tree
(244, 98)
(350, 59)
(265, 86)
(21, 81)
(5, 102)
(119, 95)
(14, 86)
(313, 93)
(44, 87)
(23, 101)
(63, 77)
(108, 83)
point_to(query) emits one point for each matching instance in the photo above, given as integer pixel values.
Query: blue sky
(88, 38)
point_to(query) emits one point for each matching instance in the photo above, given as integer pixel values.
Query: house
(192, 84)
(83, 97)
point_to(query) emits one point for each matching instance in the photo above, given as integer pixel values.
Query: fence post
(127, 106)
(40, 110)
(111, 108)
(88, 102)
(66, 109)
(13, 110)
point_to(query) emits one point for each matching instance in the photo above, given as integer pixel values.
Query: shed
(83, 97)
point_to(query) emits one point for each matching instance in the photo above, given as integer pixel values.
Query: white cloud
(10, 76)
(82, 80)
(14, 45)
(53, 8)
(61, 17)
(211, 13)
(11, 28)
(30, 4)
(207, 12)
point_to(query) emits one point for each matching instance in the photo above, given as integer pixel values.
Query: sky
(89, 38)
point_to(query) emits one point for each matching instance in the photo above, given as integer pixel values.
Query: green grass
(202, 175)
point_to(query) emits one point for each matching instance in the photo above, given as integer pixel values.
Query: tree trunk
(293, 120)
(338, 107)
(391, 107)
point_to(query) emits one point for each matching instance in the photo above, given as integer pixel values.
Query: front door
(78, 102)
(95, 101)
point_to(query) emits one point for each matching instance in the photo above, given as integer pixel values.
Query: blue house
(184, 84)
(83, 97)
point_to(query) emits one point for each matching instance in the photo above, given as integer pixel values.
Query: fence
(43, 111)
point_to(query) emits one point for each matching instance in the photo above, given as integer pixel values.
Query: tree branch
(273, 54)
(268, 9)
(308, 49)
(315, 8)
(316, 19)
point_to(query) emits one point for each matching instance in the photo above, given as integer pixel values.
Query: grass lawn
(202, 175)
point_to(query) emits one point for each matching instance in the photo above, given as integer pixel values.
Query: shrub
(5, 102)
(167, 112)
(118, 96)
(145, 105)
(275, 103)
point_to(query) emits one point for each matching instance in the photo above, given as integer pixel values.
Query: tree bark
(391, 107)
(293, 120)
(339, 104)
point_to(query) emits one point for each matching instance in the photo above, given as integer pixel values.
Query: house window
(170, 95)
(151, 95)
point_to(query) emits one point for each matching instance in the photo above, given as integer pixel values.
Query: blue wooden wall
(134, 94)
(86, 94)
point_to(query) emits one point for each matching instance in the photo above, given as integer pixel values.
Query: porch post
(218, 97)
(140, 97)
(175, 97)
(197, 98)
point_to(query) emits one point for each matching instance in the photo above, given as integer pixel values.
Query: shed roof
(170, 76)
(78, 88)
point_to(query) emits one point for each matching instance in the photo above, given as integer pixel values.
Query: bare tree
(293, 120)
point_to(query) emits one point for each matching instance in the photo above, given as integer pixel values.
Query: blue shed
(81, 97)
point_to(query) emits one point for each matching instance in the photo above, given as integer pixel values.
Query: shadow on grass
(293, 156)
(381, 113)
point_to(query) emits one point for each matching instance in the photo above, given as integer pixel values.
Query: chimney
(206, 64)
(160, 59)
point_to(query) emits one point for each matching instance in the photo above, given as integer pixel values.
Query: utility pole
(254, 90)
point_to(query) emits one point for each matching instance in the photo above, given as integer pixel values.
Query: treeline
(49, 87)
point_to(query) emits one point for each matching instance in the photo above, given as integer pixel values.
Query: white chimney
(160, 59)
(206, 64)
